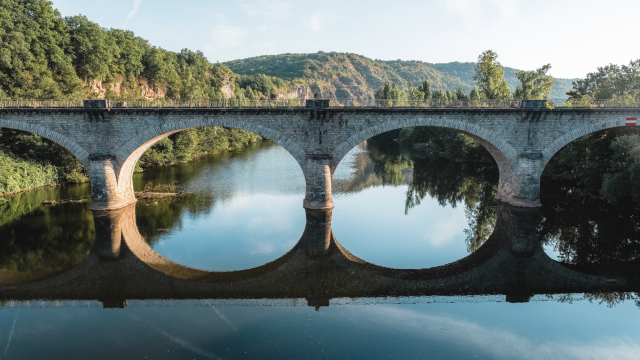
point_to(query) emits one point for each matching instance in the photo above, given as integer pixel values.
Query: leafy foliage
(390, 92)
(43, 56)
(609, 82)
(261, 86)
(465, 72)
(534, 85)
(489, 76)
(620, 182)
(19, 174)
(28, 161)
(34, 61)
(195, 143)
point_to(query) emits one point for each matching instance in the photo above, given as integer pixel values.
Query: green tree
(534, 85)
(474, 94)
(425, 88)
(390, 92)
(609, 82)
(460, 95)
(159, 67)
(623, 175)
(414, 93)
(33, 61)
(438, 94)
(489, 76)
(450, 96)
(129, 54)
(91, 48)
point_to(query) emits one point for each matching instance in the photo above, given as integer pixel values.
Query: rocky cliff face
(146, 90)
(227, 86)
(302, 92)
(150, 92)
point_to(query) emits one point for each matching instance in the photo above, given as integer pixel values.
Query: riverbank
(18, 175)
(42, 163)
(193, 144)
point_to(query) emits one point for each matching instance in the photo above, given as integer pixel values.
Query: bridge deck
(323, 104)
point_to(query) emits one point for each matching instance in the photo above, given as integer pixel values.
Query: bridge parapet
(319, 104)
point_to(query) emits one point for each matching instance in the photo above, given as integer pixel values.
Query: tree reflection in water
(38, 238)
(447, 166)
(156, 217)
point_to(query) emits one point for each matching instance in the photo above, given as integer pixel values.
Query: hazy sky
(576, 37)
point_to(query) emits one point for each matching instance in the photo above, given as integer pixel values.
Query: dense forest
(46, 56)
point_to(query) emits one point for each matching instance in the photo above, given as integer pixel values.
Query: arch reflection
(122, 266)
(445, 183)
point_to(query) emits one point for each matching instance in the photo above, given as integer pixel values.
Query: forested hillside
(46, 56)
(345, 75)
(342, 75)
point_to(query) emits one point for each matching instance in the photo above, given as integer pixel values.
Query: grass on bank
(19, 174)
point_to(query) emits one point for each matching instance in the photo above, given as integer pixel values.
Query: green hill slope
(464, 71)
(346, 75)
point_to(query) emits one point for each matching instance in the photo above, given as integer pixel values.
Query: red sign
(630, 122)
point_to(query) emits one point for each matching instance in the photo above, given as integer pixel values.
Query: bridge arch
(62, 140)
(576, 133)
(502, 152)
(128, 155)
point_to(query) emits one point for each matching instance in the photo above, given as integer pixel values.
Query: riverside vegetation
(46, 56)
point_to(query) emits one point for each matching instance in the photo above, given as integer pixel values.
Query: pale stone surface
(521, 141)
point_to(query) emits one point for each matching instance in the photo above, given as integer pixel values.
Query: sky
(575, 37)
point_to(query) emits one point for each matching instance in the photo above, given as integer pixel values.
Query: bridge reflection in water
(122, 266)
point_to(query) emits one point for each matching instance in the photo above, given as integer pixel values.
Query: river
(244, 210)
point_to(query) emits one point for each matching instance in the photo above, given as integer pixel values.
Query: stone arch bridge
(109, 141)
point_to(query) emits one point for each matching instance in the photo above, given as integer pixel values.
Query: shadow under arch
(78, 151)
(502, 152)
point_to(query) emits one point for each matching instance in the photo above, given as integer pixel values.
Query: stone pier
(318, 178)
(317, 233)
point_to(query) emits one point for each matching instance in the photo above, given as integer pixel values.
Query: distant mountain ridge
(346, 75)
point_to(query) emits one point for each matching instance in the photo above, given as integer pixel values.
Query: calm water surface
(245, 210)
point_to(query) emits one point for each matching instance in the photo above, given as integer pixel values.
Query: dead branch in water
(158, 195)
(53, 203)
